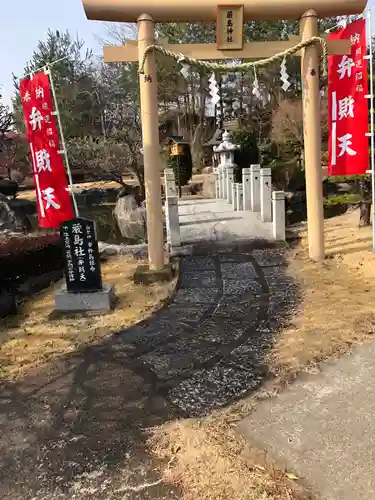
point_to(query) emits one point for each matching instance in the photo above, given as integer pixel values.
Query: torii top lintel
(195, 11)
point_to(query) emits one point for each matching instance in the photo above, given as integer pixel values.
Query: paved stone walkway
(215, 221)
(207, 348)
(322, 427)
(77, 429)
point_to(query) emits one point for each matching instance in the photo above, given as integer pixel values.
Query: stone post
(229, 179)
(217, 185)
(170, 183)
(239, 196)
(255, 187)
(225, 184)
(265, 195)
(220, 180)
(246, 189)
(278, 215)
(171, 209)
(234, 195)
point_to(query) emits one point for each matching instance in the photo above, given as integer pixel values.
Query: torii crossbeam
(210, 52)
(229, 46)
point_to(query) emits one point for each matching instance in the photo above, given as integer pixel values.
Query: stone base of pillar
(145, 276)
(95, 302)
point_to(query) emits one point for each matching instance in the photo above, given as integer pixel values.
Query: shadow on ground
(78, 429)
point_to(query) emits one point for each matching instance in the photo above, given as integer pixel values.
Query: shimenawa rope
(213, 66)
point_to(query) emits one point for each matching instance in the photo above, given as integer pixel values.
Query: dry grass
(213, 463)
(337, 309)
(35, 336)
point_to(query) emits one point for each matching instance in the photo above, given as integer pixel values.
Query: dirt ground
(36, 336)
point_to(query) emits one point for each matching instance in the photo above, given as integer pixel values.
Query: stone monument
(84, 288)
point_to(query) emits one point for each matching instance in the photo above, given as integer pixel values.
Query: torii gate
(147, 12)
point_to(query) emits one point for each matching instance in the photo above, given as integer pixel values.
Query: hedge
(23, 257)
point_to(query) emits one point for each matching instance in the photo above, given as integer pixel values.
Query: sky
(24, 22)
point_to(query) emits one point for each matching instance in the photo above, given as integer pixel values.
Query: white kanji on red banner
(348, 107)
(42, 159)
(345, 143)
(50, 198)
(345, 67)
(36, 119)
(54, 203)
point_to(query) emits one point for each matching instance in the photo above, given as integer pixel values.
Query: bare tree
(118, 33)
(112, 157)
(287, 123)
(14, 157)
(6, 120)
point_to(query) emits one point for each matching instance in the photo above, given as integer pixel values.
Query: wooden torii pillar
(147, 12)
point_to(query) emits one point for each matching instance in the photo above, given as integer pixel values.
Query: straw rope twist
(260, 63)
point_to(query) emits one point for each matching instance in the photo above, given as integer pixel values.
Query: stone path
(216, 222)
(77, 430)
(207, 348)
(322, 427)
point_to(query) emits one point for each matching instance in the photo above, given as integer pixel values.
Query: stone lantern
(225, 169)
(225, 151)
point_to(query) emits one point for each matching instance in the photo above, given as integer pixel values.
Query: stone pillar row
(254, 194)
(171, 209)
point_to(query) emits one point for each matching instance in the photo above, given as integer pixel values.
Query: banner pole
(42, 68)
(64, 150)
(372, 148)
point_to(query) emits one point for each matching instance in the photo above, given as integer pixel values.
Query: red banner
(53, 197)
(347, 104)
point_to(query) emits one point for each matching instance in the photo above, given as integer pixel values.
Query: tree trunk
(364, 213)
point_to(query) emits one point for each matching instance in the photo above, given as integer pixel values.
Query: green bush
(325, 157)
(345, 199)
(248, 153)
(25, 256)
(288, 174)
(348, 178)
(182, 166)
(15, 245)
